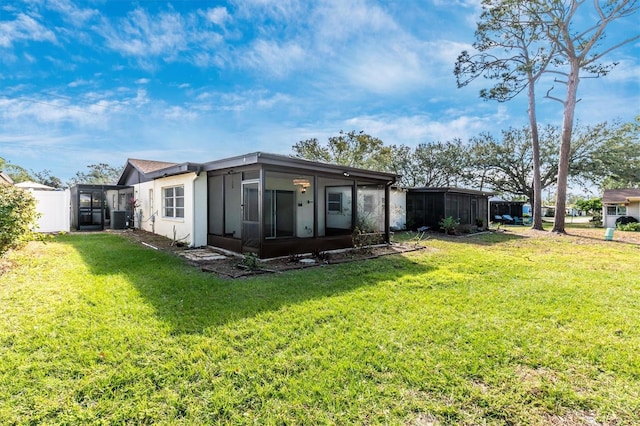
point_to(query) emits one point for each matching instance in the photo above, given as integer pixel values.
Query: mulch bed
(238, 266)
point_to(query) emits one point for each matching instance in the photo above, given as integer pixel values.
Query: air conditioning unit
(118, 219)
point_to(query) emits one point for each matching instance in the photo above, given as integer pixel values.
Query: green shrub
(449, 224)
(18, 217)
(635, 227)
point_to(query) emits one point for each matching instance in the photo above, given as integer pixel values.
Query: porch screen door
(250, 216)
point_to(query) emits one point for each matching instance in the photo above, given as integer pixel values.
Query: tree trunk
(535, 146)
(565, 146)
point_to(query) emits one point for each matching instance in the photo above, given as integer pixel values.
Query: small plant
(250, 261)
(294, 258)
(321, 255)
(596, 220)
(449, 225)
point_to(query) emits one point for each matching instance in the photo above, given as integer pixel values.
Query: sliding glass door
(279, 209)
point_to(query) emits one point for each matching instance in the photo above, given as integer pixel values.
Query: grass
(491, 329)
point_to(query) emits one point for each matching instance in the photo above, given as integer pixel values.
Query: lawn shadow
(191, 300)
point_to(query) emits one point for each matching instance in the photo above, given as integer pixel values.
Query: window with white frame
(616, 210)
(173, 201)
(334, 202)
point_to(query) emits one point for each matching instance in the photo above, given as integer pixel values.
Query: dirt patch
(232, 265)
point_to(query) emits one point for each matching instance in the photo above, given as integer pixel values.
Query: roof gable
(136, 171)
(146, 166)
(619, 196)
(5, 179)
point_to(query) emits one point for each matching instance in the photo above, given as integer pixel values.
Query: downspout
(387, 210)
(193, 207)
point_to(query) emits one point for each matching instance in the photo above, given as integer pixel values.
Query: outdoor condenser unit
(118, 219)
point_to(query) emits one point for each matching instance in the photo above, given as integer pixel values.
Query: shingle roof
(147, 166)
(5, 179)
(616, 196)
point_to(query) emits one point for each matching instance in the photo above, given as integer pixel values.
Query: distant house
(499, 207)
(267, 204)
(5, 179)
(428, 206)
(34, 186)
(617, 203)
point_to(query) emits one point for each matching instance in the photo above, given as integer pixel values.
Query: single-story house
(618, 203)
(267, 204)
(428, 206)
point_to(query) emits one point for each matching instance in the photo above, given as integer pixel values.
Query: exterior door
(250, 216)
(474, 211)
(90, 209)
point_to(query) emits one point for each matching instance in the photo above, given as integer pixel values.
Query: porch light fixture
(302, 183)
(346, 174)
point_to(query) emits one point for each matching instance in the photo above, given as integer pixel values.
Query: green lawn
(492, 329)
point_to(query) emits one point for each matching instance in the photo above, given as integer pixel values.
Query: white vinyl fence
(53, 207)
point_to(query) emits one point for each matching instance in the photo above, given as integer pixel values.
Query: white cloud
(274, 58)
(142, 81)
(179, 114)
(77, 83)
(143, 35)
(278, 9)
(24, 28)
(217, 15)
(167, 36)
(411, 130)
(77, 16)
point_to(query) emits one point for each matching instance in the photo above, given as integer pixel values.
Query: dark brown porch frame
(264, 163)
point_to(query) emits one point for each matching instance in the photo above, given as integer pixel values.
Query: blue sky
(83, 82)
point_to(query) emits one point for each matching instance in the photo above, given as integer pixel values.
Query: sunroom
(273, 205)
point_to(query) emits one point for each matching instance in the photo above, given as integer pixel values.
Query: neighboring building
(618, 203)
(428, 206)
(267, 204)
(499, 207)
(5, 179)
(34, 186)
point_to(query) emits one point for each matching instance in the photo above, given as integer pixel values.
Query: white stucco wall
(192, 229)
(609, 221)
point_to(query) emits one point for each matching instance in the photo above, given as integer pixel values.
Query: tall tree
(354, 149)
(439, 164)
(511, 53)
(582, 44)
(46, 178)
(505, 165)
(97, 174)
(617, 163)
(15, 172)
